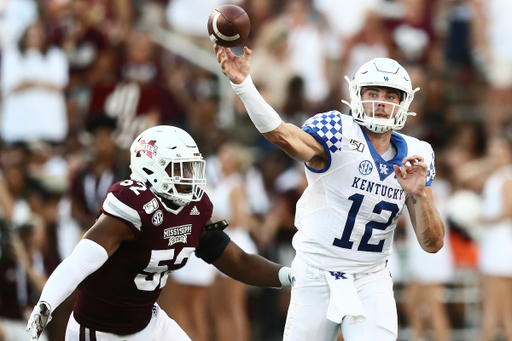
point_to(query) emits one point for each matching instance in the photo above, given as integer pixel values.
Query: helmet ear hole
(147, 171)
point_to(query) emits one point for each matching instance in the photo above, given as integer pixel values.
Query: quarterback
(148, 227)
(361, 174)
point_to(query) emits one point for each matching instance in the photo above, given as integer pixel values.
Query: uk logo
(365, 167)
(338, 274)
(146, 147)
(383, 169)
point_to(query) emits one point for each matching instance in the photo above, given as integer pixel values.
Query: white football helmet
(167, 160)
(381, 72)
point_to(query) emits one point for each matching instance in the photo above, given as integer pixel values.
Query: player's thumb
(247, 52)
(398, 171)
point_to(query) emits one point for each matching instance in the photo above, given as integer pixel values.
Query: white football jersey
(347, 215)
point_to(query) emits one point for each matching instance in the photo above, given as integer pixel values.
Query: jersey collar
(385, 168)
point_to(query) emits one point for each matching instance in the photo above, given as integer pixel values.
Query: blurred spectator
(344, 20)
(272, 67)
(105, 166)
(427, 276)
(89, 54)
(413, 32)
(34, 75)
(345, 17)
(24, 269)
(493, 49)
(306, 49)
(464, 209)
(227, 297)
(139, 62)
(113, 18)
(295, 109)
(15, 16)
(371, 41)
(24, 264)
(134, 100)
(458, 40)
(274, 238)
(260, 12)
(189, 17)
(13, 160)
(496, 244)
(6, 199)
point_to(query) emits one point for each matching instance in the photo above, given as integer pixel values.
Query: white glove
(285, 277)
(40, 317)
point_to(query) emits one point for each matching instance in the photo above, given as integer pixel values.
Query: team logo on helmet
(149, 148)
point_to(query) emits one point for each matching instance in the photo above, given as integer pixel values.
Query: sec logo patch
(158, 218)
(365, 167)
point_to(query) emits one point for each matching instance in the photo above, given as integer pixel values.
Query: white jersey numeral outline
(155, 274)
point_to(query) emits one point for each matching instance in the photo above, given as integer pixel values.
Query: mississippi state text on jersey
(118, 298)
(347, 215)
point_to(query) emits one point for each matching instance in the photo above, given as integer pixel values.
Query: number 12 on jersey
(364, 245)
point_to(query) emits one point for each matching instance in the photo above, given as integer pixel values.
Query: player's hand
(412, 175)
(39, 319)
(236, 68)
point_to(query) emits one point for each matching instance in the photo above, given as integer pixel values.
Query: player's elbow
(288, 144)
(277, 137)
(433, 246)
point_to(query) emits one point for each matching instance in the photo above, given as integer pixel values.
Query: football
(228, 25)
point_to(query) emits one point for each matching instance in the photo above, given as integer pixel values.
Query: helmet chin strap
(376, 128)
(180, 202)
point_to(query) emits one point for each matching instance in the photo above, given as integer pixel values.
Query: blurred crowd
(80, 79)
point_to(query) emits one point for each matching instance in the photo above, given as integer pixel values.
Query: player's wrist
(285, 277)
(46, 305)
(262, 115)
(239, 87)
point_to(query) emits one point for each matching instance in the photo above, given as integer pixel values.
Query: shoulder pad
(126, 199)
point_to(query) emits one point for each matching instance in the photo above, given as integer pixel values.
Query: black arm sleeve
(212, 244)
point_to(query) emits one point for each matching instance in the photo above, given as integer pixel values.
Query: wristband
(262, 115)
(285, 274)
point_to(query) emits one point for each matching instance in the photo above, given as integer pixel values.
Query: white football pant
(160, 327)
(307, 313)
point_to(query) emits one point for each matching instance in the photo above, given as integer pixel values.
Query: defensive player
(148, 227)
(360, 175)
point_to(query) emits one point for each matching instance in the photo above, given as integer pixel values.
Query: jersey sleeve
(431, 172)
(428, 153)
(326, 129)
(119, 204)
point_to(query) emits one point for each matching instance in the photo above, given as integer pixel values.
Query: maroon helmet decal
(148, 148)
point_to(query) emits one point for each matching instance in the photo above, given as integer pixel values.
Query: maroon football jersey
(118, 298)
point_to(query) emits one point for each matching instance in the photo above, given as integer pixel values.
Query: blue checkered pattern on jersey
(328, 127)
(431, 173)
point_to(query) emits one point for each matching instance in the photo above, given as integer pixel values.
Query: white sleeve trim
(87, 257)
(117, 208)
(262, 115)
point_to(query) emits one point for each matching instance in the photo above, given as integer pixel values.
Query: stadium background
(120, 66)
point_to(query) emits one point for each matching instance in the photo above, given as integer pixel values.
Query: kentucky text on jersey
(376, 188)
